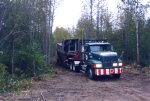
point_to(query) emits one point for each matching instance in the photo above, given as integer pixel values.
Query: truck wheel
(117, 76)
(75, 68)
(91, 74)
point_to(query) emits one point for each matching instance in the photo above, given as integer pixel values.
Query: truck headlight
(97, 66)
(120, 64)
(115, 64)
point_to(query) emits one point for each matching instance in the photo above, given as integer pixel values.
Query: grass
(17, 85)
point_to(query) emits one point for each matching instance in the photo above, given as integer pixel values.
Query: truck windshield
(97, 48)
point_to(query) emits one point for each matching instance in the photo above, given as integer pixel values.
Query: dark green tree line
(26, 35)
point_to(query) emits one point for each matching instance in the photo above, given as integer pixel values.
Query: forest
(28, 42)
(25, 37)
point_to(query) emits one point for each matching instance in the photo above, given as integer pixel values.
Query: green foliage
(7, 83)
(61, 34)
(86, 28)
(3, 74)
(144, 45)
(29, 61)
(24, 38)
(13, 84)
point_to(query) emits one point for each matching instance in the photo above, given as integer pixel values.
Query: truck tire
(91, 74)
(75, 68)
(117, 76)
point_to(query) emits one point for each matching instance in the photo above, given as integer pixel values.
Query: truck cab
(100, 59)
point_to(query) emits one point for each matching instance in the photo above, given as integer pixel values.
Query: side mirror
(90, 56)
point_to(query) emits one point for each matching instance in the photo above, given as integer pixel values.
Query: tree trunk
(97, 20)
(91, 7)
(137, 43)
(12, 56)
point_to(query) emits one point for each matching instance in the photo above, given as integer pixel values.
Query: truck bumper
(99, 72)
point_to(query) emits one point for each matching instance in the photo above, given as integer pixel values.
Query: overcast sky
(68, 12)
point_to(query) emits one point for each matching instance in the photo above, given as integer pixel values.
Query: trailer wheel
(117, 76)
(91, 74)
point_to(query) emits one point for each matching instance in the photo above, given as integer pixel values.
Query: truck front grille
(109, 60)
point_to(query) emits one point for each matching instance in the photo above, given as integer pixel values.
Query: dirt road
(70, 86)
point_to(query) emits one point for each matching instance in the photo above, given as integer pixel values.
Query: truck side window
(106, 47)
(95, 48)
